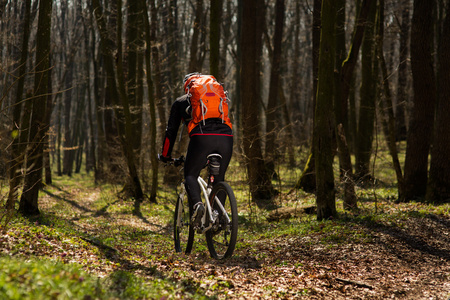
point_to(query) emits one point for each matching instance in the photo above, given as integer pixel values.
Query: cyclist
(211, 136)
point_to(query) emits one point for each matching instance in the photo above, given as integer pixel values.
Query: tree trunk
(323, 124)
(422, 115)
(215, 20)
(133, 46)
(193, 60)
(387, 106)
(32, 183)
(402, 97)
(350, 201)
(119, 86)
(261, 188)
(68, 149)
(17, 148)
(48, 117)
(368, 89)
(157, 71)
(152, 106)
(307, 180)
(273, 106)
(349, 64)
(438, 188)
(340, 113)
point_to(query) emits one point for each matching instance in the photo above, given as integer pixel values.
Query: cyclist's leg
(194, 163)
(200, 146)
(222, 145)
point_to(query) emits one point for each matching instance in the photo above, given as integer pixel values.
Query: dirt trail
(411, 261)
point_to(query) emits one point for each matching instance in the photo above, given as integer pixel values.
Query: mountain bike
(220, 219)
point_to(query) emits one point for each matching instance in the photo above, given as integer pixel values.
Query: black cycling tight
(200, 146)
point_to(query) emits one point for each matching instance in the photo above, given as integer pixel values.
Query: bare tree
(32, 183)
(273, 106)
(438, 188)
(215, 20)
(118, 85)
(17, 154)
(261, 187)
(324, 121)
(422, 115)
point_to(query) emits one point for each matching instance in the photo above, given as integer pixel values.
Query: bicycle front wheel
(183, 233)
(221, 238)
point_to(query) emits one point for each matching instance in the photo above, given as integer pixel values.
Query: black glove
(164, 159)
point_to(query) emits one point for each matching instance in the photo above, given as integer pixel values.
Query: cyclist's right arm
(175, 117)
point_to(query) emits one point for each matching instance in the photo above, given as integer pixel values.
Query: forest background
(93, 82)
(316, 88)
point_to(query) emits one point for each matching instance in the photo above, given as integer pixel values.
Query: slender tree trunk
(92, 159)
(215, 20)
(261, 187)
(119, 86)
(387, 105)
(274, 107)
(29, 201)
(68, 142)
(349, 64)
(152, 106)
(48, 117)
(422, 115)
(341, 114)
(367, 103)
(307, 180)
(402, 97)
(193, 59)
(157, 70)
(438, 188)
(18, 150)
(133, 39)
(324, 123)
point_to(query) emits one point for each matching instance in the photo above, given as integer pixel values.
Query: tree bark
(17, 148)
(422, 115)
(261, 187)
(215, 20)
(324, 121)
(307, 180)
(29, 201)
(133, 46)
(119, 86)
(387, 106)
(157, 70)
(438, 188)
(402, 97)
(194, 59)
(274, 106)
(152, 105)
(368, 90)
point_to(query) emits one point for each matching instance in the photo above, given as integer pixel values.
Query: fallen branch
(357, 283)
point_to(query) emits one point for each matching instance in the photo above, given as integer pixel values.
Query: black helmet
(186, 77)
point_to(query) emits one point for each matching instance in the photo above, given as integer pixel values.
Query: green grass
(45, 279)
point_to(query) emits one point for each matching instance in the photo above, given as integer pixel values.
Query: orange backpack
(207, 98)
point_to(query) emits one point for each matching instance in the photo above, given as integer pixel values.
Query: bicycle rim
(183, 234)
(221, 238)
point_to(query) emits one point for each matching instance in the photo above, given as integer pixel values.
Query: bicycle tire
(183, 233)
(221, 239)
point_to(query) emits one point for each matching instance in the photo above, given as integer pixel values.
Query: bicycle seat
(214, 163)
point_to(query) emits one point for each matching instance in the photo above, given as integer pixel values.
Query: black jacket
(180, 111)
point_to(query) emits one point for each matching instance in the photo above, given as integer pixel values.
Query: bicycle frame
(206, 192)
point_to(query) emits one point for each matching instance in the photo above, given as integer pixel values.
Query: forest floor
(383, 250)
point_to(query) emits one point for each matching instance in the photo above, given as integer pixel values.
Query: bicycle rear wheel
(183, 233)
(221, 238)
